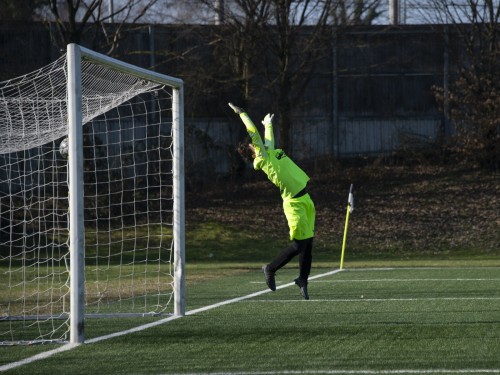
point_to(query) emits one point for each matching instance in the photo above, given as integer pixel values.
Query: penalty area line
(143, 327)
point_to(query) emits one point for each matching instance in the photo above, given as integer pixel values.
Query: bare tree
(273, 47)
(103, 24)
(18, 10)
(357, 12)
(473, 98)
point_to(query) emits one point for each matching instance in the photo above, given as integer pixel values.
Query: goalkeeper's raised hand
(268, 120)
(236, 109)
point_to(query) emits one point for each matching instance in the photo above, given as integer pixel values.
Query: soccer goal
(91, 197)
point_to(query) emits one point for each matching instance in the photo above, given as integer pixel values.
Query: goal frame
(75, 55)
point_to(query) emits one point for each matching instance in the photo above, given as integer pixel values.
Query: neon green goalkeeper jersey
(287, 176)
(278, 167)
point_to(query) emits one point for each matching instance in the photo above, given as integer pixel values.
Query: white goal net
(131, 183)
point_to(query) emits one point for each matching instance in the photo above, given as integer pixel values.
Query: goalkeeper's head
(246, 150)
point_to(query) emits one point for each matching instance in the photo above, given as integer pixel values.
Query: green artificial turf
(377, 320)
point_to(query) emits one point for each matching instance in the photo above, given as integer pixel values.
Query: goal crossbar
(127, 68)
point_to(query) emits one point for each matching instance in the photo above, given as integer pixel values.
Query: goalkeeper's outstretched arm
(251, 129)
(268, 131)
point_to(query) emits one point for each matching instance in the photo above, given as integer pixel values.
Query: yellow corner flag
(350, 208)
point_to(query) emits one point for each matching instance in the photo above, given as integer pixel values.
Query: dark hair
(245, 150)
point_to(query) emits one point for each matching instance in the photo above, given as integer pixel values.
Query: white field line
(353, 372)
(398, 280)
(431, 268)
(382, 280)
(362, 299)
(38, 357)
(149, 325)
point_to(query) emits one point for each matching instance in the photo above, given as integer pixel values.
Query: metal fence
(371, 96)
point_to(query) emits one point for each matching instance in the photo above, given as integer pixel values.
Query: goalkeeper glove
(237, 110)
(268, 120)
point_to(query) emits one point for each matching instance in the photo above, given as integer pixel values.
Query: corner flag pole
(350, 208)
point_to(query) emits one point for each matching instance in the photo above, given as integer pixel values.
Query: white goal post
(125, 196)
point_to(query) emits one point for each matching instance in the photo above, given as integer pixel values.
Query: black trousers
(302, 248)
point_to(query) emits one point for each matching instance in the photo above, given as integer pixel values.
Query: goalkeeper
(297, 204)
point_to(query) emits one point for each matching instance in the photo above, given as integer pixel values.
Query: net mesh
(128, 201)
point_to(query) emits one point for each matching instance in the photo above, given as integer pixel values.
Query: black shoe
(303, 287)
(271, 283)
